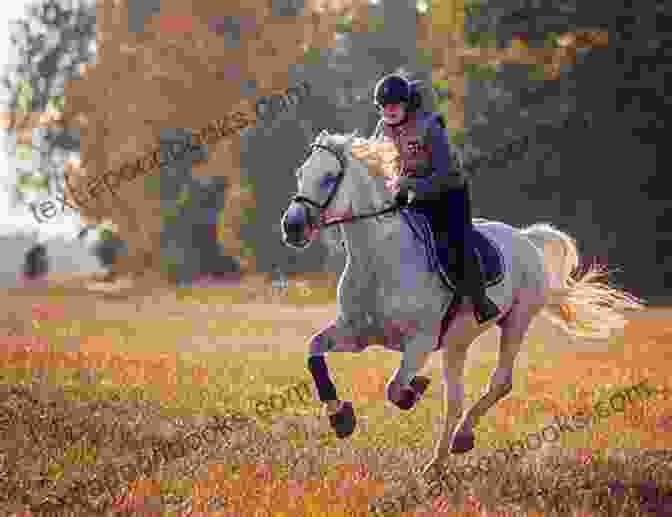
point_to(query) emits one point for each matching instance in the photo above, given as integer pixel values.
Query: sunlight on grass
(146, 359)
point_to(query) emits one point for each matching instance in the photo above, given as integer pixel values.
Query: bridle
(339, 178)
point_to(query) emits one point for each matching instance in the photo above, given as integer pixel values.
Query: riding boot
(474, 287)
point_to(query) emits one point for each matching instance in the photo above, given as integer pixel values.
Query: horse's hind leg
(330, 339)
(514, 328)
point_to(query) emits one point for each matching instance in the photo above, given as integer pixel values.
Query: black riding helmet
(395, 89)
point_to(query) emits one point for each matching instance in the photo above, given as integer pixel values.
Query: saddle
(443, 261)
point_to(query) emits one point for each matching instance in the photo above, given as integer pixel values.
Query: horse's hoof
(462, 443)
(407, 400)
(409, 397)
(344, 420)
(420, 385)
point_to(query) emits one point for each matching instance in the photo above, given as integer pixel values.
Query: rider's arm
(445, 175)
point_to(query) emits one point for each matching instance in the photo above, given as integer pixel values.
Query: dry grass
(108, 374)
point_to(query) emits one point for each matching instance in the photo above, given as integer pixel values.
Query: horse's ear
(321, 136)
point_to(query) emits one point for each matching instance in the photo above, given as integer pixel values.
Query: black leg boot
(474, 286)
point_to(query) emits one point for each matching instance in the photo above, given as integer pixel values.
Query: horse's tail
(579, 303)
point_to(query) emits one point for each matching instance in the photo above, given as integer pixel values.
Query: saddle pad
(492, 262)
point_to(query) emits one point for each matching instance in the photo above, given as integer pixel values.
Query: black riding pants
(452, 226)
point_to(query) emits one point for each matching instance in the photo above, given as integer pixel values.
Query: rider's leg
(452, 226)
(474, 285)
(471, 281)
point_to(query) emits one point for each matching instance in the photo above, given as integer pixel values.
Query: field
(116, 371)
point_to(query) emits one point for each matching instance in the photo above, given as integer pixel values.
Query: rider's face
(394, 113)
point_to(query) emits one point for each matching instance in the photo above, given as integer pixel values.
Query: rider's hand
(401, 197)
(406, 194)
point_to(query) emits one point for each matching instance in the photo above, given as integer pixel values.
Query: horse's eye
(328, 180)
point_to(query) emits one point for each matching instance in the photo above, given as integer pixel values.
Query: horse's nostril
(293, 227)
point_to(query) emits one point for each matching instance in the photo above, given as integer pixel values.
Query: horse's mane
(372, 158)
(379, 157)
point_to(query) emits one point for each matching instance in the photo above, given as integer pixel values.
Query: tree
(150, 85)
(52, 42)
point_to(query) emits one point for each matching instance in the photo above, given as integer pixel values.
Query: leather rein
(341, 174)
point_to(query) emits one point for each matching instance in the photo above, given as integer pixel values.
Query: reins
(387, 210)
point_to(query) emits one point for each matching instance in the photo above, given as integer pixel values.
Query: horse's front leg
(334, 338)
(405, 388)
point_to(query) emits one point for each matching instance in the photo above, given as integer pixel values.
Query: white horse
(387, 290)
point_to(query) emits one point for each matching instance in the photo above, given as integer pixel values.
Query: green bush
(170, 214)
(551, 40)
(376, 23)
(344, 24)
(32, 182)
(440, 84)
(479, 72)
(457, 136)
(184, 197)
(312, 56)
(168, 264)
(56, 104)
(24, 96)
(248, 215)
(24, 151)
(472, 7)
(480, 39)
(247, 183)
(424, 56)
(153, 183)
(247, 249)
(536, 72)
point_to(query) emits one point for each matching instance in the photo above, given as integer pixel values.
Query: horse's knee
(321, 342)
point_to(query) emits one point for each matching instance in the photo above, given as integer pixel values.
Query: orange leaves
(348, 493)
(22, 351)
(97, 352)
(135, 500)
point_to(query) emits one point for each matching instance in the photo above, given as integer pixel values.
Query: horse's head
(328, 182)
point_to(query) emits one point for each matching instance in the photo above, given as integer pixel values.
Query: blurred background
(557, 106)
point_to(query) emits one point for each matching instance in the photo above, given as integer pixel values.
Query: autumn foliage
(166, 77)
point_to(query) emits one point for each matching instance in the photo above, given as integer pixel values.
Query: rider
(429, 170)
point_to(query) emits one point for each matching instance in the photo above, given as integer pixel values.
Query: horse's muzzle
(297, 229)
